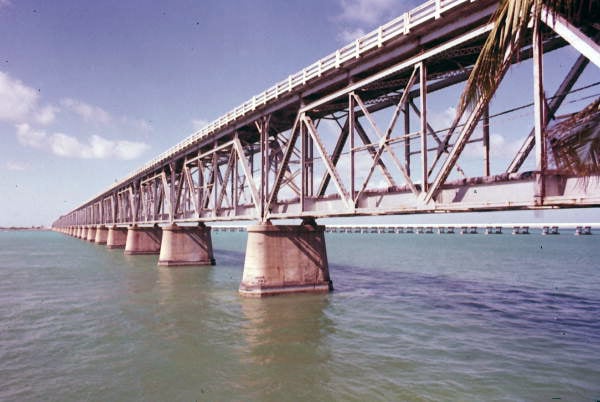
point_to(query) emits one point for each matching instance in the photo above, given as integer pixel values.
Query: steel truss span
(352, 135)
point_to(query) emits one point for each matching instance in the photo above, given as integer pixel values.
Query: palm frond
(575, 142)
(506, 38)
(510, 22)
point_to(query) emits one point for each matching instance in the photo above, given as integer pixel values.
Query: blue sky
(90, 91)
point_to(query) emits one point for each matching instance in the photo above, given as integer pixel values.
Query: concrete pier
(143, 240)
(285, 259)
(91, 234)
(101, 235)
(117, 237)
(186, 245)
(83, 234)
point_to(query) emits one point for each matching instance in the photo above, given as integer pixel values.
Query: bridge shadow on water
(527, 308)
(504, 305)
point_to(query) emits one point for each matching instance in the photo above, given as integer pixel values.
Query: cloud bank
(20, 105)
(357, 17)
(86, 111)
(67, 146)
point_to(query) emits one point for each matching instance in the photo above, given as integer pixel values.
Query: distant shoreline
(23, 229)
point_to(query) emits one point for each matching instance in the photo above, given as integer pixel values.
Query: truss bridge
(359, 133)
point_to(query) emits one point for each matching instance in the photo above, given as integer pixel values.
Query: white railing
(399, 26)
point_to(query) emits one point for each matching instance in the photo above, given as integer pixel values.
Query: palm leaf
(577, 151)
(575, 142)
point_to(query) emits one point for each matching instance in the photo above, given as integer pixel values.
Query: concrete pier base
(185, 245)
(116, 237)
(91, 234)
(285, 259)
(143, 240)
(83, 234)
(101, 235)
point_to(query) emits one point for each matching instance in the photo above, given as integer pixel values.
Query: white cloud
(17, 100)
(359, 16)
(19, 103)
(370, 12)
(500, 147)
(350, 35)
(442, 120)
(16, 166)
(29, 137)
(86, 111)
(199, 124)
(68, 146)
(128, 150)
(4, 3)
(46, 115)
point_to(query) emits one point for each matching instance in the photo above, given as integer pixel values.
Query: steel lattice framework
(317, 144)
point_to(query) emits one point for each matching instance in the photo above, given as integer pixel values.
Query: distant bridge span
(352, 135)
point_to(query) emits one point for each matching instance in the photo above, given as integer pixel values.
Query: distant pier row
(354, 134)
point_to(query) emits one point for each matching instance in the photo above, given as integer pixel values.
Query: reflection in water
(286, 346)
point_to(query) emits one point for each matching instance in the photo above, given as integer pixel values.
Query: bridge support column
(285, 259)
(143, 240)
(101, 235)
(116, 237)
(91, 234)
(186, 245)
(84, 232)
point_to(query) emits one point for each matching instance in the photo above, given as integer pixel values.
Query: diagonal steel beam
(284, 163)
(364, 137)
(557, 100)
(228, 170)
(192, 188)
(384, 146)
(458, 147)
(288, 175)
(327, 161)
(580, 41)
(237, 145)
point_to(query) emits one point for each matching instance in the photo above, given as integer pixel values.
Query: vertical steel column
(406, 137)
(215, 181)
(351, 124)
(235, 182)
(423, 93)
(113, 209)
(310, 165)
(201, 185)
(486, 141)
(263, 128)
(539, 107)
(303, 135)
(172, 193)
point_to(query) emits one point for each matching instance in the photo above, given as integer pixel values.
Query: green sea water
(412, 317)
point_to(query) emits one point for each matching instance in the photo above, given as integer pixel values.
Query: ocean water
(412, 317)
